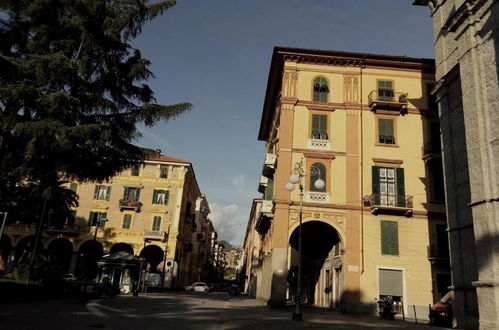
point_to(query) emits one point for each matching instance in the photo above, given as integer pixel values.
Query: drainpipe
(361, 173)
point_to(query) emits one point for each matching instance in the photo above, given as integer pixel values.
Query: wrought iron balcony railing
(155, 235)
(126, 204)
(65, 230)
(387, 99)
(390, 204)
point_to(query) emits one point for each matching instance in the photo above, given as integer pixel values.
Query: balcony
(264, 181)
(387, 205)
(263, 224)
(70, 230)
(430, 152)
(317, 197)
(267, 207)
(269, 164)
(155, 235)
(387, 100)
(437, 257)
(319, 144)
(126, 204)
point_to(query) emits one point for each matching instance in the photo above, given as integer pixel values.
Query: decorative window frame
(393, 117)
(328, 98)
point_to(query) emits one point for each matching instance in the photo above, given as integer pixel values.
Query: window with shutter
(375, 184)
(400, 188)
(163, 171)
(156, 223)
(389, 238)
(386, 133)
(317, 171)
(385, 90)
(135, 170)
(91, 219)
(131, 194)
(319, 127)
(160, 196)
(321, 90)
(269, 190)
(73, 187)
(127, 221)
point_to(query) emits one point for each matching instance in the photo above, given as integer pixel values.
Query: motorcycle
(385, 308)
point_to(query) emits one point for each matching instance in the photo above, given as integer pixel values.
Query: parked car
(200, 287)
(441, 311)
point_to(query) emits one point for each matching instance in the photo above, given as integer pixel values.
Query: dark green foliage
(72, 90)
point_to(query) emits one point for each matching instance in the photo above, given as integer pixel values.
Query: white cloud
(225, 220)
(239, 182)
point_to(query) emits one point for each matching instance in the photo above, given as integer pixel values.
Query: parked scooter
(385, 308)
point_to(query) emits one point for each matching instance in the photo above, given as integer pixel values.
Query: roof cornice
(328, 57)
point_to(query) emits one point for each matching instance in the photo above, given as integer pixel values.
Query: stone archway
(322, 275)
(24, 249)
(118, 247)
(5, 248)
(153, 254)
(88, 254)
(61, 250)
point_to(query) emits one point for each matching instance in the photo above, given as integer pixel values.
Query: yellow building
(151, 209)
(364, 124)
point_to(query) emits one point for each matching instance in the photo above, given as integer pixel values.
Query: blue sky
(216, 54)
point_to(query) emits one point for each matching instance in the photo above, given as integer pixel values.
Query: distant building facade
(155, 211)
(466, 37)
(365, 125)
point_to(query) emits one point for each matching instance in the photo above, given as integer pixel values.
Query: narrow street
(178, 311)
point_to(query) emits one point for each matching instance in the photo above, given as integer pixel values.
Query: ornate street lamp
(297, 175)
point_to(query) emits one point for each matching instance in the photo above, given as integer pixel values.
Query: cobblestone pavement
(178, 311)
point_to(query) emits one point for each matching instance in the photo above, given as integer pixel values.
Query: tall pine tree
(72, 89)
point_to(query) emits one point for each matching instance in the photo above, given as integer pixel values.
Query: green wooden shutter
(167, 196)
(108, 196)
(73, 187)
(96, 192)
(125, 193)
(127, 221)
(91, 219)
(269, 190)
(389, 238)
(389, 129)
(315, 126)
(156, 223)
(154, 196)
(400, 187)
(137, 195)
(323, 126)
(375, 184)
(103, 216)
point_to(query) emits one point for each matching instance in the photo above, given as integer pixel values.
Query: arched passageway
(89, 253)
(153, 255)
(61, 250)
(5, 248)
(24, 249)
(321, 264)
(118, 247)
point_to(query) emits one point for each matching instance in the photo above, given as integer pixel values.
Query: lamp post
(297, 175)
